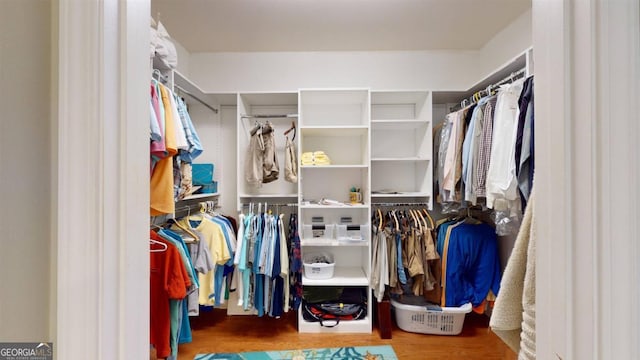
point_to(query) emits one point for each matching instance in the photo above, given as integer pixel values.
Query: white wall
(25, 175)
(183, 58)
(511, 41)
(287, 71)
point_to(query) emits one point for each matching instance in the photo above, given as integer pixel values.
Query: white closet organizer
(337, 123)
(280, 109)
(401, 146)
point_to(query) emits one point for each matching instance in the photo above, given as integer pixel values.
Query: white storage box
(352, 232)
(317, 231)
(420, 319)
(318, 266)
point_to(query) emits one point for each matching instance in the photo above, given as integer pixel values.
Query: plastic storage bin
(317, 231)
(202, 174)
(420, 319)
(318, 266)
(352, 232)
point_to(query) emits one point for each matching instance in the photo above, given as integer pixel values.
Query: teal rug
(383, 352)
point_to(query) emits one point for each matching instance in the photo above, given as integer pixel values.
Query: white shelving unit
(401, 146)
(338, 123)
(250, 107)
(375, 140)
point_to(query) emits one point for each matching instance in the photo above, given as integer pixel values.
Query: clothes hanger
(257, 126)
(423, 222)
(418, 220)
(292, 128)
(432, 223)
(156, 242)
(413, 217)
(395, 220)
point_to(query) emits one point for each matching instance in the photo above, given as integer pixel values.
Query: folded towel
(315, 158)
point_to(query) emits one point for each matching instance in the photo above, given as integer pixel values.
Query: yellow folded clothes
(315, 158)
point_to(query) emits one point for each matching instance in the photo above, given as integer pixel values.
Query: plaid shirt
(484, 151)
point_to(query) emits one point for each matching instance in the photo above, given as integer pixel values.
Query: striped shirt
(484, 151)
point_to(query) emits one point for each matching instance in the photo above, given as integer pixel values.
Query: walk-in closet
(240, 179)
(362, 181)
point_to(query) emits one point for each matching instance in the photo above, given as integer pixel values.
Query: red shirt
(168, 281)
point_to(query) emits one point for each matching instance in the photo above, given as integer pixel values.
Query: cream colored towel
(315, 158)
(513, 318)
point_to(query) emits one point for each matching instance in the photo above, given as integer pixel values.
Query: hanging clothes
(174, 144)
(290, 162)
(501, 176)
(524, 152)
(484, 149)
(214, 239)
(295, 268)
(470, 262)
(261, 162)
(403, 255)
(162, 188)
(169, 281)
(470, 149)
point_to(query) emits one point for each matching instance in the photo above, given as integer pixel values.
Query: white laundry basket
(420, 319)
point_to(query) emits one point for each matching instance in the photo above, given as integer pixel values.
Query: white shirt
(501, 177)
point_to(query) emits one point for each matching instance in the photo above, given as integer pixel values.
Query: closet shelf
(332, 242)
(345, 206)
(359, 166)
(408, 124)
(200, 196)
(342, 276)
(334, 131)
(268, 196)
(400, 195)
(408, 158)
(351, 326)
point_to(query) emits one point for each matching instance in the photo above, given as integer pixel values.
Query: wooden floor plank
(217, 332)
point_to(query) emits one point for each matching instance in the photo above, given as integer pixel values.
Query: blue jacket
(472, 264)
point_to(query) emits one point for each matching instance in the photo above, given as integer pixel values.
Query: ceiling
(335, 25)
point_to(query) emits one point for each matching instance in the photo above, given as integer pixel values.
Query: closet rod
(489, 90)
(274, 204)
(183, 91)
(400, 204)
(275, 116)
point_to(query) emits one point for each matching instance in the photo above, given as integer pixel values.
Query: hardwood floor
(217, 332)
